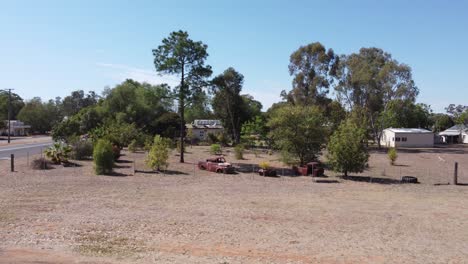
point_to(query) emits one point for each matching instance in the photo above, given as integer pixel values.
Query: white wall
(415, 140)
(389, 139)
(465, 137)
(202, 133)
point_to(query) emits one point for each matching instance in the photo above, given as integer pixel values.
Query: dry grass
(189, 216)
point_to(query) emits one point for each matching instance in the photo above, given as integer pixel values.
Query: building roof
(455, 130)
(410, 130)
(206, 124)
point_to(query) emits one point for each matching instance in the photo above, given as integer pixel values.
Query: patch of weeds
(6, 217)
(104, 244)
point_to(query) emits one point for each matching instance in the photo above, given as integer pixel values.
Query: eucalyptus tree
(313, 70)
(369, 81)
(179, 55)
(232, 107)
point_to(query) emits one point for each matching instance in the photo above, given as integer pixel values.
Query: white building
(455, 134)
(201, 128)
(407, 137)
(18, 128)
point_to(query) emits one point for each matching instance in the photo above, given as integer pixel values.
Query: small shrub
(148, 144)
(103, 156)
(392, 155)
(132, 147)
(40, 164)
(239, 151)
(264, 165)
(82, 149)
(215, 149)
(58, 153)
(270, 152)
(159, 154)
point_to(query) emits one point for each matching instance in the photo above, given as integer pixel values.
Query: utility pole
(9, 113)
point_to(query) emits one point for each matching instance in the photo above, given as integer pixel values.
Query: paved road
(23, 150)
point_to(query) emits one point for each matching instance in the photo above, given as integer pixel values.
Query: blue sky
(50, 48)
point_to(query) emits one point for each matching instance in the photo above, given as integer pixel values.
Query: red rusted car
(311, 168)
(218, 165)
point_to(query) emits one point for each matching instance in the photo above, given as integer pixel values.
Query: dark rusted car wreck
(218, 165)
(312, 168)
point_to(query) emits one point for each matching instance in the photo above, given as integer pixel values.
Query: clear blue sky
(50, 48)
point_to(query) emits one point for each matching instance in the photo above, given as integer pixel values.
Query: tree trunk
(181, 112)
(346, 173)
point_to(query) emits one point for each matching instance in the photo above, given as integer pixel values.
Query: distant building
(201, 128)
(407, 137)
(455, 134)
(18, 128)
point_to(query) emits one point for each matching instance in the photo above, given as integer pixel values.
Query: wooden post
(12, 160)
(455, 174)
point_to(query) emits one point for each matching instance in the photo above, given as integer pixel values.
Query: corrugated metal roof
(409, 130)
(455, 130)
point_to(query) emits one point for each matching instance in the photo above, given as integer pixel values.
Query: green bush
(392, 155)
(159, 154)
(103, 156)
(239, 151)
(82, 149)
(215, 149)
(148, 144)
(58, 153)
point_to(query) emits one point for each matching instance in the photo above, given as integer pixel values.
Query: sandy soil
(69, 215)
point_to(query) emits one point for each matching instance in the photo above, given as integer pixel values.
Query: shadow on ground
(164, 172)
(369, 179)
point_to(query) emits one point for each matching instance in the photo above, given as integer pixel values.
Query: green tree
(199, 108)
(459, 113)
(255, 129)
(406, 113)
(40, 116)
(299, 132)
(182, 56)
(17, 104)
(159, 154)
(229, 105)
(346, 149)
(312, 68)
(441, 122)
(78, 100)
(369, 81)
(139, 103)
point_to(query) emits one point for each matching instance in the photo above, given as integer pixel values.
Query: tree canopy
(346, 150)
(179, 55)
(369, 81)
(299, 132)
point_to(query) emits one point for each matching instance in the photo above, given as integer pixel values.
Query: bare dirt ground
(69, 215)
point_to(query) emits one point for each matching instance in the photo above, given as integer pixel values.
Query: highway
(22, 150)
